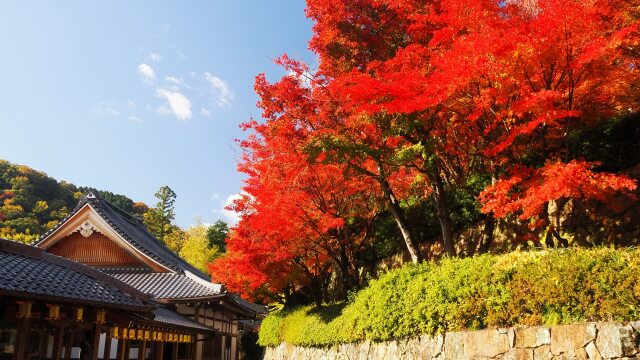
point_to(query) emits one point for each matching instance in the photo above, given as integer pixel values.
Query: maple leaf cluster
(416, 97)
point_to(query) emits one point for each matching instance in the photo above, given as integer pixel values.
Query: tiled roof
(177, 286)
(168, 285)
(252, 324)
(132, 230)
(30, 272)
(170, 317)
(260, 310)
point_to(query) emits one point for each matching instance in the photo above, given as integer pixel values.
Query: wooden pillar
(122, 348)
(43, 345)
(97, 331)
(215, 335)
(68, 345)
(158, 351)
(127, 350)
(213, 344)
(22, 339)
(142, 349)
(22, 330)
(225, 341)
(57, 343)
(107, 347)
(221, 349)
(193, 346)
(174, 351)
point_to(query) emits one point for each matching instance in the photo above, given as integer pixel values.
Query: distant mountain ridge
(31, 202)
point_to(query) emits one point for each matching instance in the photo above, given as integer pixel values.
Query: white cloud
(146, 72)
(215, 196)
(174, 80)
(179, 105)
(135, 118)
(155, 57)
(175, 83)
(231, 216)
(166, 27)
(222, 93)
(205, 112)
(104, 108)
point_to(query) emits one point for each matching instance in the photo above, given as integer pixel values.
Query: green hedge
(523, 288)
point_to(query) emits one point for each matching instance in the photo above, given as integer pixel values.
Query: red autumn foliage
(502, 81)
(413, 94)
(302, 220)
(526, 191)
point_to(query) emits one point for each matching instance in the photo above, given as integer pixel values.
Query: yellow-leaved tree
(195, 249)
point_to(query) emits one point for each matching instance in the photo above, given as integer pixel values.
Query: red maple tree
(413, 95)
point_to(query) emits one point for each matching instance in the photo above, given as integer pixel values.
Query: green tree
(217, 235)
(118, 200)
(159, 218)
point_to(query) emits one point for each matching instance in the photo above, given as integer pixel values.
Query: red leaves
(526, 191)
(410, 90)
(528, 127)
(295, 208)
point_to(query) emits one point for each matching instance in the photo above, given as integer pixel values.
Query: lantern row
(151, 335)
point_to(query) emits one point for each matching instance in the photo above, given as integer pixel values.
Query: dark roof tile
(261, 310)
(167, 316)
(134, 232)
(168, 285)
(30, 272)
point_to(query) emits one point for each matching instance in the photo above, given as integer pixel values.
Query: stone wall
(583, 341)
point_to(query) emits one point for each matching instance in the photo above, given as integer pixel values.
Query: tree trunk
(348, 282)
(444, 217)
(396, 212)
(316, 291)
(487, 234)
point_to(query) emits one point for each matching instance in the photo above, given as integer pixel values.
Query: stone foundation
(583, 341)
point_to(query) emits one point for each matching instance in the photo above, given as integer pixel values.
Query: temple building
(154, 288)
(54, 308)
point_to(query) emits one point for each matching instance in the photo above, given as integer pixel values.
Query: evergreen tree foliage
(217, 235)
(159, 218)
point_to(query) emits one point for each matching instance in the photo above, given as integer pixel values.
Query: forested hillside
(31, 202)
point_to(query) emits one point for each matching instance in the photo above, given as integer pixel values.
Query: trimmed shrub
(522, 288)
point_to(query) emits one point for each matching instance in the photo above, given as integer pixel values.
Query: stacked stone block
(593, 341)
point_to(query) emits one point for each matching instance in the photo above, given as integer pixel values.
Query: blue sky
(128, 96)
